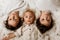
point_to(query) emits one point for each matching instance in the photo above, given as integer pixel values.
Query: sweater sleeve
(18, 32)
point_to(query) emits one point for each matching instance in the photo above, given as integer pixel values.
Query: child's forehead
(46, 13)
(14, 13)
(28, 13)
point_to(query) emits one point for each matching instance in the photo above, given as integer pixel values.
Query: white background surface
(7, 5)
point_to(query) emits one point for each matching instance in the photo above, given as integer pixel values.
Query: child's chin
(28, 23)
(14, 25)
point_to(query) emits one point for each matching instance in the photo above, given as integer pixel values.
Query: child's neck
(28, 24)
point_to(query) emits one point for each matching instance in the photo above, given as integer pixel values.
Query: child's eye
(42, 19)
(48, 20)
(15, 19)
(26, 16)
(30, 16)
(10, 19)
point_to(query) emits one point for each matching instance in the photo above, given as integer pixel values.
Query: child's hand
(11, 35)
(5, 38)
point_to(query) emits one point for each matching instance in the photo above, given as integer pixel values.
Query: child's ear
(50, 12)
(39, 14)
(40, 11)
(22, 18)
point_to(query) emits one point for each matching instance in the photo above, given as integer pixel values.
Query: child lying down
(45, 24)
(13, 22)
(28, 31)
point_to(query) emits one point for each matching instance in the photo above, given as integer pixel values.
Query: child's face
(28, 18)
(45, 18)
(13, 19)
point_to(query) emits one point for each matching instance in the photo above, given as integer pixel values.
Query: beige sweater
(27, 32)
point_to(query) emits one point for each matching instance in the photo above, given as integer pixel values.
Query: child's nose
(45, 18)
(14, 13)
(28, 17)
(13, 17)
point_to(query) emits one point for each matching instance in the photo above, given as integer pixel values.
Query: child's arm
(5, 38)
(12, 35)
(9, 36)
